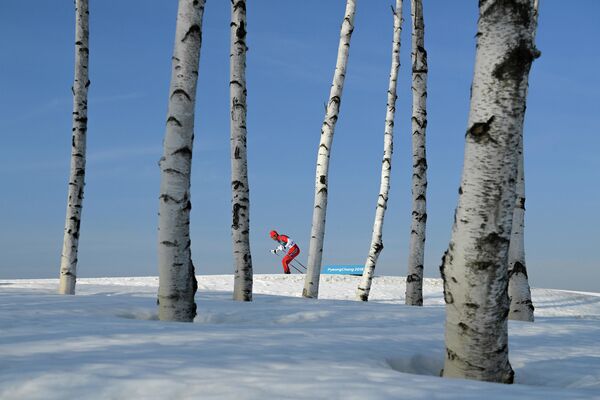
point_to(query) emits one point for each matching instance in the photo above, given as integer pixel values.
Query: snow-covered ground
(107, 343)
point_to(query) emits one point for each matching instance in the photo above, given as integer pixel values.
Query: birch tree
(177, 281)
(240, 227)
(315, 250)
(68, 259)
(362, 293)
(414, 277)
(519, 293)
(475, 266)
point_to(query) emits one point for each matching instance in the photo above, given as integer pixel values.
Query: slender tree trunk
(240, 227)
(362, 293)
(475, 266)
(414, 278)
(68, 259)
(521, 307)
(177, 280)
(315, 251)
(519, 293)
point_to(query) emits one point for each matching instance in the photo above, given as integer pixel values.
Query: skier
(285, 243)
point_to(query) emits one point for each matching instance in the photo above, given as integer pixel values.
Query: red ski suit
(293, 251)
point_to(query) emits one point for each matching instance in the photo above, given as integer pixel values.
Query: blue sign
(343, 269)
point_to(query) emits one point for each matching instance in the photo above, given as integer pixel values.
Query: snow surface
(106, 343)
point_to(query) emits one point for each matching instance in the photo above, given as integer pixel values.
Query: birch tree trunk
(177, 281)
(475, 266)
(240, 227)
(68, 259)
(362, 293)
(416, 255)
(315, 250)
(519, 293)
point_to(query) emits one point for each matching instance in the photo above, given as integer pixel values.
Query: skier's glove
(274, 251)
(280, 248)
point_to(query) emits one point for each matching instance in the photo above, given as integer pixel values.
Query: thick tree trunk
(474, 267)
(240, 202)
(519, 292)
(177, 281)
(416, 255)
(68, 259)
(362, 293)
(315, 251)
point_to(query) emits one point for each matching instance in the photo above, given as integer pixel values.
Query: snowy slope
(105, 343)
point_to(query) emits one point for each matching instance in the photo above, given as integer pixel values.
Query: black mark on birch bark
(518, 268)
(517, 63)
(237, 184)
(239, 4)
(193, 32)
(521, 10)
(173, 120)
(184, 151)
(480, 131)
(236, 215)
(181, 92)
(241, 31)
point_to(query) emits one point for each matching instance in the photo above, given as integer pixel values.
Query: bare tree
(315, 250)
(519, 292)
(475, 266)
(362, 293)
(240, 227)
(68, 259)
(177, 280)
(414, 278)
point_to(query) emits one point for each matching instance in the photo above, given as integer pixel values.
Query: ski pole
(293, 266)
(294, 260)
(300, 264)
(290, 264)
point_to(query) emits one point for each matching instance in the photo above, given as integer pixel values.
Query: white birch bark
(519, 292)
(475, 266)
(68, 259)
(177, 281)
(240, 227)
(416, 254)
(315, 250)
(362, 292)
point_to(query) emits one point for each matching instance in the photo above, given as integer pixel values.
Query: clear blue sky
(290, 66)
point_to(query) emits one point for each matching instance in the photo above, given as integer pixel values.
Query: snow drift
(106, 343)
